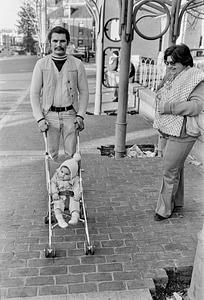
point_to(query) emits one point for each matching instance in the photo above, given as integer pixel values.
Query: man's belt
(60, 109)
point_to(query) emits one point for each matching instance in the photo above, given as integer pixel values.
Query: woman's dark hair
(60, 30)
(179, 53)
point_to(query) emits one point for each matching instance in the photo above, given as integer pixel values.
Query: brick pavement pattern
(132, 250)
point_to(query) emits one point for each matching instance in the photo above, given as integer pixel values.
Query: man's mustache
(59, 48)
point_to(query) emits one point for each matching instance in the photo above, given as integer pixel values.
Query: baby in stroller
(66, 182)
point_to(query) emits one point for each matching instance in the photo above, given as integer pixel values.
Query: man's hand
(79, 123)
(43, 125)
(55, 197)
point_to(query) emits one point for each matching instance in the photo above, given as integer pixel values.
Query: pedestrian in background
(179, 98)
(59, 94)
(114, 73)
(113, 65)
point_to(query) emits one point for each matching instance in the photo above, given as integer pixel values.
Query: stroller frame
(50, 250)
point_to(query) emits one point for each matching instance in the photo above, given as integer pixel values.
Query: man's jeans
(62, 125)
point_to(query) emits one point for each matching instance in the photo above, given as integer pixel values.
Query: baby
(66, 181)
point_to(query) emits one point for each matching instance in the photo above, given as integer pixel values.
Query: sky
(9, 13)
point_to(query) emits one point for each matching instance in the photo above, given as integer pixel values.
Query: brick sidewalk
(131, 248)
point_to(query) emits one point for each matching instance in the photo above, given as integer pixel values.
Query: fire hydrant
(196, 290)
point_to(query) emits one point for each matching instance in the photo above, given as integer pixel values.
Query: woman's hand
(160, 107)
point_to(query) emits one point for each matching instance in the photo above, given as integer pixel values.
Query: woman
(179, 97)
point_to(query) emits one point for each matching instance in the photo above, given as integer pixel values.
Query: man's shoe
(115, 100)
(157, 217)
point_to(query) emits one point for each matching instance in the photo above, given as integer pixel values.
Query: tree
(26, 25)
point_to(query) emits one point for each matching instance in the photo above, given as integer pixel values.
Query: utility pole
(126, 39)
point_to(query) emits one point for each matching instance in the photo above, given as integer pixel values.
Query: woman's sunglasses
(169, 63)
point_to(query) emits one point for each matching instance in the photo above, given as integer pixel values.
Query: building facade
(73, 15)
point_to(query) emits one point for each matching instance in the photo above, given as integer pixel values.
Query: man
(59, 94)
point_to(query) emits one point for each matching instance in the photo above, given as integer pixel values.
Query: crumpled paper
(176, 296)
(135, 151)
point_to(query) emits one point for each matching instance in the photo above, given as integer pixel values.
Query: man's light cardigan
(47, 88)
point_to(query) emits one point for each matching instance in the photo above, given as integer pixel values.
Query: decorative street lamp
(97, 8)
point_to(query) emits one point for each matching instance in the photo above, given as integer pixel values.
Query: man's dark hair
(179, 53)
(60, 30)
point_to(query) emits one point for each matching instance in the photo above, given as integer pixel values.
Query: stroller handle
(45, 141)
(78, 142)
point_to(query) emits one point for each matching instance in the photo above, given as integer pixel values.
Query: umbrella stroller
(50, 250)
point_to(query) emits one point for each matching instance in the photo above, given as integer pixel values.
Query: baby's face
(64, 173)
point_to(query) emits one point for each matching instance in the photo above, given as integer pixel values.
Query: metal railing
(149, 72)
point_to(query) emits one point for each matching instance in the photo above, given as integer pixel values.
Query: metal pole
(126, 35)
(174, 26)
(99, 61)
(44, 25)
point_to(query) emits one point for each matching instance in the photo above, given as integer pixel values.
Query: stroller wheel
(50, 252)
(92, 249)
(89, 249)
(46, 219)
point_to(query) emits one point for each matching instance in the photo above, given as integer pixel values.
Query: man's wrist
(80, 117)
(55, 195)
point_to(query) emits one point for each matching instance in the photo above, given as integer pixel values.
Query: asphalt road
(15, 75)
(17, 64)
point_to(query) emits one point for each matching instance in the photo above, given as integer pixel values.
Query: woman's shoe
(177, 209)
(157, 217)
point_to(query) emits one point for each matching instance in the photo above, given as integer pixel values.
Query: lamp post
(97, 9)
(126, 39)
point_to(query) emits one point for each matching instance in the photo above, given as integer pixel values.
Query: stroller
(50, 250)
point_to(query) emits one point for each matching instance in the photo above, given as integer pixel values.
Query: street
(15, 75)
(17, 64)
